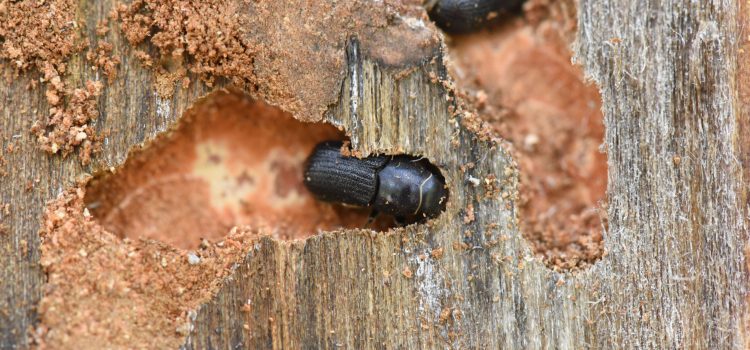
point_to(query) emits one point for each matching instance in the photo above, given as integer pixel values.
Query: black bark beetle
(408, 188)
(465, 16)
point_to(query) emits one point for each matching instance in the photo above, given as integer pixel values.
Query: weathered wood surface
(674, 275)
(129, 108)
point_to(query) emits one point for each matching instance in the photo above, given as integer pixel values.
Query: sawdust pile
(43, 35)
(212, 33)
(262, 47)
(37, 33)
(101, 57)
(259, 47)
(68, 126)
(150, 290)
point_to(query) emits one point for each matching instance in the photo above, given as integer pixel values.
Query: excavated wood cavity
(522, 79)
(230, 161)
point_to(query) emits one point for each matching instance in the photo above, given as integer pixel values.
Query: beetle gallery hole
(533, 96)
(230, 161)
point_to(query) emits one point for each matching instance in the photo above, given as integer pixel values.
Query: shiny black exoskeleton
(464, 16)
(410, 189)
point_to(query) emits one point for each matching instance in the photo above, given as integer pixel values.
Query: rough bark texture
(674, 275)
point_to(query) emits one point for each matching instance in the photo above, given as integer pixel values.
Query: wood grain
(675, 273)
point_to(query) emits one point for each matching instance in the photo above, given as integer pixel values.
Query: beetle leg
(400, 221)
(370, 219)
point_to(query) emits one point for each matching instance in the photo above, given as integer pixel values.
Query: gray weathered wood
(674, 275)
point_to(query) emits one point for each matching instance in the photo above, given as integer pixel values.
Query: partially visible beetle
(464, 16)
(408, 188)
